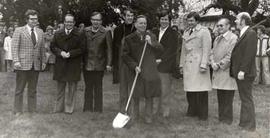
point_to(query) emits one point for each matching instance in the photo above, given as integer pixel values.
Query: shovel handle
(136, 77)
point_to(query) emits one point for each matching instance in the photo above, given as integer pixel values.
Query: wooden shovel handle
(136, 77)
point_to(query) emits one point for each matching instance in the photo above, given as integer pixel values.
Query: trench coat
(148, 84)
(195, 54)
(221, 54)
(68, 69)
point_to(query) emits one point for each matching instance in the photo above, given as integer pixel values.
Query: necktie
(191, 31)
(33, 37)
(68, 31)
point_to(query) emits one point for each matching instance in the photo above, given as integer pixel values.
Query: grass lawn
(44, 124)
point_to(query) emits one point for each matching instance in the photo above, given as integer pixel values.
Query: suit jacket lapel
(239, 40)
(98, 33)
(39, 33)
(26, 33)
(165, 34)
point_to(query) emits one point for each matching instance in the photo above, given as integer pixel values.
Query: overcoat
(195, 54)
(68, 69)
(221, 54)
(148, 83)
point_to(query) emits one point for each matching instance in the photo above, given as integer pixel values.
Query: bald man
(220, 62)
(243, 69)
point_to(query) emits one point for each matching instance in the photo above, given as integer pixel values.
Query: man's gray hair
(246, 17)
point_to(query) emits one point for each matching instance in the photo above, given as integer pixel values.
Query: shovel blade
(120, 120)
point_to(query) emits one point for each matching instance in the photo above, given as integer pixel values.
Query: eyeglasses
(220, 25)
(96, 20)
(33, 18)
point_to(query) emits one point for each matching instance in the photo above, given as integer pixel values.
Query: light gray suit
(31, 57)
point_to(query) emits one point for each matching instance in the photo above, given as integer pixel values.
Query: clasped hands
(65, 54)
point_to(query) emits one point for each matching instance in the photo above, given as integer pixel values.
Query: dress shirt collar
(66, 30)
(160, 29)
(243, 30)
(30, 29)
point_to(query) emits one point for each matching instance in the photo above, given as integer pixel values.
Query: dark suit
(67, 70)
(121, 73)
(243, 59)
(169, 41)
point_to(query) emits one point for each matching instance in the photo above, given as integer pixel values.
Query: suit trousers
(247, 113)
(116, 73)
(29, 77)
(65, 100)
(166, 94)
(262, 69)
(198, 104)
(148, 108)
(124, 87)
(93, 96)
(225, 105)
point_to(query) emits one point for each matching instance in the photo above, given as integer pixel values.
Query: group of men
(93, 51)
(233, 62)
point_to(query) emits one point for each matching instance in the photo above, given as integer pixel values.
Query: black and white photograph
(134, 69)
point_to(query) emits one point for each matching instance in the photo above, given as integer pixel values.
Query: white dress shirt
(29, 31)
(243, 30)
(161, 33)
(66, 30)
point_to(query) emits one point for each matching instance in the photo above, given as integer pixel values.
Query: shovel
(122, 119)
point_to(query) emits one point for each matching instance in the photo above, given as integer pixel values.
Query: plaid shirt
(24, 51)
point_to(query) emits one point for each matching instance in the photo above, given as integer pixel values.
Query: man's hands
(181, 70)
(241, 75)
(203, 70)
(158, 61)
(65, 54)
(108, 68)
(214, 66)
(17, 65)
(148, 39)
(43, 66)
(138, 70)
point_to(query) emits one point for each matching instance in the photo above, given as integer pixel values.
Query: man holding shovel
(148, 81)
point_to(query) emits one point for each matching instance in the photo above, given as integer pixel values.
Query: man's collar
(68, 30)
(29, 28)
(163, 29)
(243, 30)
(226, 35)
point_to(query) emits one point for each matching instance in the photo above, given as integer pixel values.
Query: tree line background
(51, 10)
